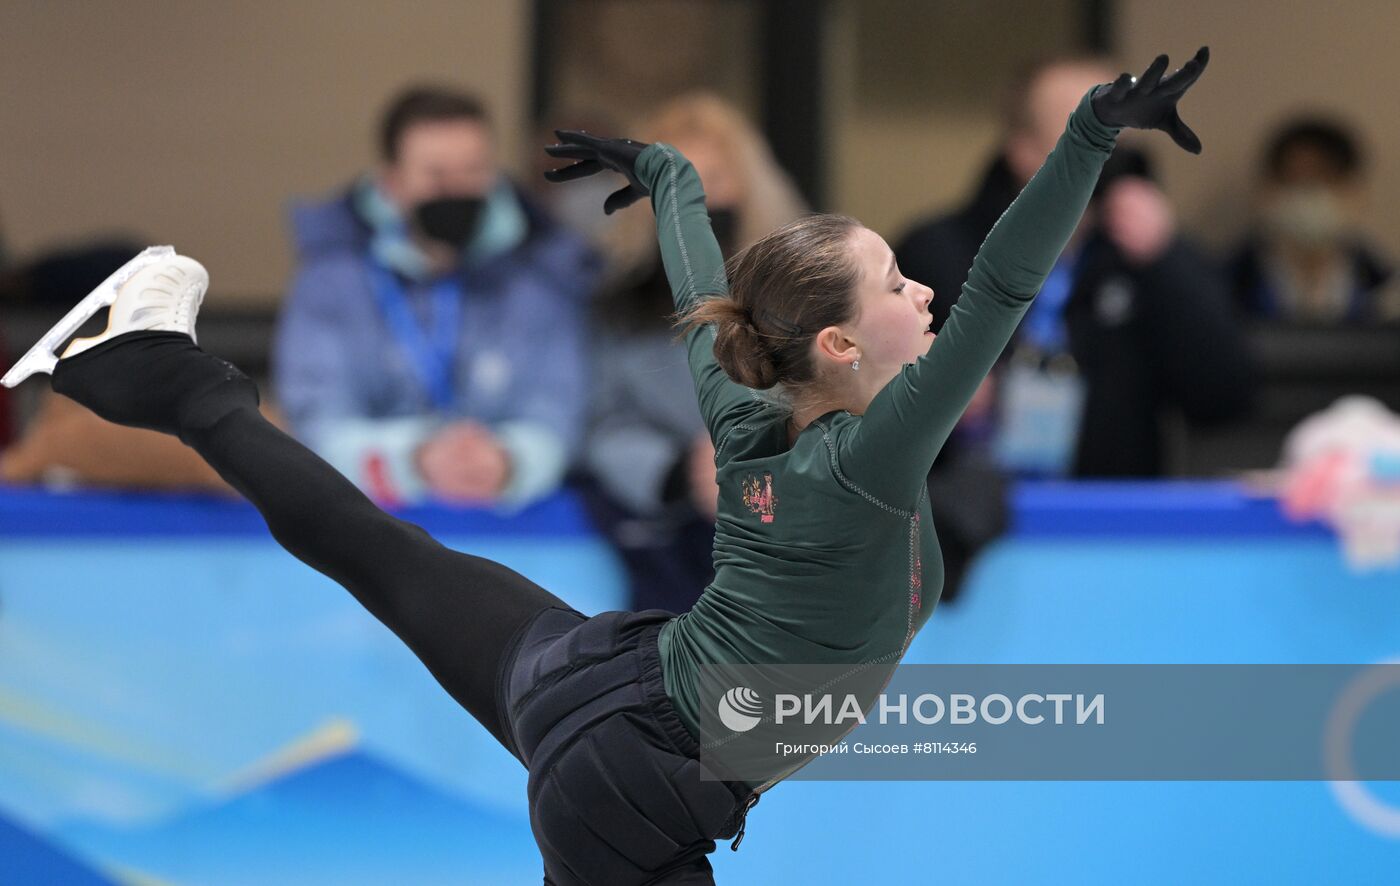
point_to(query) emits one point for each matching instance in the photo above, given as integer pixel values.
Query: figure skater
(824, 549)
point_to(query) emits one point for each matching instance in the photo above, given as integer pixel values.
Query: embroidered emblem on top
(759, 497)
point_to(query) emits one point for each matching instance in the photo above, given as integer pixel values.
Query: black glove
(1150, 102)
(594, 155)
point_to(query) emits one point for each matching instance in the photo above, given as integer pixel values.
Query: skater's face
(891, 325)
(441, 158)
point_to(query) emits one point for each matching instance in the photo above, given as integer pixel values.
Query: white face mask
(1310, 215)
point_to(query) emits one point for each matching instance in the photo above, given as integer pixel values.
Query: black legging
(457, 612)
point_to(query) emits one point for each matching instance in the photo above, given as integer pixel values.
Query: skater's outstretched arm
(689, 251)
(908, 421)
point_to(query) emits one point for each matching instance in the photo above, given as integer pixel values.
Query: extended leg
(457, 612)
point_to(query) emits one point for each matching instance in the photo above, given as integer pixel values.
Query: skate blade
(43, 356)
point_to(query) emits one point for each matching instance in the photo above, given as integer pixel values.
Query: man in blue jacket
(432, 342)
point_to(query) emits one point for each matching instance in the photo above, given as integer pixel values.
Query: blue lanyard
(432, 352)
(1044, 326)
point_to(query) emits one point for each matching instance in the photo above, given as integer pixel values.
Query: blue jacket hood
(333, 226)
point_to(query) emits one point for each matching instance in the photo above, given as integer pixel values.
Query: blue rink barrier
(35, 513)
(181, 700)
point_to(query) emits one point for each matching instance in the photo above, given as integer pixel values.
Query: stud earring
(855, 365)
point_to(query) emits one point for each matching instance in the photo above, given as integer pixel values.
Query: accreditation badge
(1040, 406)
(490, 373)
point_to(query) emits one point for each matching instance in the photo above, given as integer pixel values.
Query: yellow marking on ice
(133, 877)
(332, 737)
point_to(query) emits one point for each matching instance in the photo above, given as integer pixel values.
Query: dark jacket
(1147, 339)
(1256, 296)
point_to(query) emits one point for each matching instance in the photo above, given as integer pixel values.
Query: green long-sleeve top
(824, 549)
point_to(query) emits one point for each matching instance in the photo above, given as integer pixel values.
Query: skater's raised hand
(594, 154)
(1149, 101)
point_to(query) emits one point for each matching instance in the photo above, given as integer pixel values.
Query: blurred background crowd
(435, 321)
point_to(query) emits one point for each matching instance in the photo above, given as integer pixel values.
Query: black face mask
(449, 220)
(725, 224)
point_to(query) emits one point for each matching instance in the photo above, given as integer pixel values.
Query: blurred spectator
(432, 342)
(1306, 260)
(647, 449)
(1132, 322)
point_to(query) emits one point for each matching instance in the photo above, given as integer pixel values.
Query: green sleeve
(695, 269)
(888, 453)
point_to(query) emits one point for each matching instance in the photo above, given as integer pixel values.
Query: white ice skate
(156, 290)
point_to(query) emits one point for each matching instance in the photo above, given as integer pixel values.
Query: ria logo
(740, 709)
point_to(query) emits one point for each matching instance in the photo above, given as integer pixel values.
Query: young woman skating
(824, 549)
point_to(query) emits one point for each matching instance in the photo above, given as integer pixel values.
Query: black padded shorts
(616, 790)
